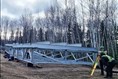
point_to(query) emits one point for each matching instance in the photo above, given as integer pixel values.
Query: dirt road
(18, 70)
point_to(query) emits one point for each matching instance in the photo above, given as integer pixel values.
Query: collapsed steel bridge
(56, 53)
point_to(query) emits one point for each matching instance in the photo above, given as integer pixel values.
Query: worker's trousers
(109, 68)
(102, 68)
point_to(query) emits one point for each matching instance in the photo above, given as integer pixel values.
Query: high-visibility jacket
(110, 59)
(102, 53)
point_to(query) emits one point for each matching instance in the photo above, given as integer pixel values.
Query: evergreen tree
(40, 35)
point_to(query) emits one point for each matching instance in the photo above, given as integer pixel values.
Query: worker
(6, 55)
(109, 62)
(27, 54)
(101, 53)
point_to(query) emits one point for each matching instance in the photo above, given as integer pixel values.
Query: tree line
(89, 24)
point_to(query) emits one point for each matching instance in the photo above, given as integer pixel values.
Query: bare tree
(5, 24)
(26, 21)
(12, 30)
(17, 36)
(0, 33)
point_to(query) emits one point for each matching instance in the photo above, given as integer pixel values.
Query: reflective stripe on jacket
(109, 58)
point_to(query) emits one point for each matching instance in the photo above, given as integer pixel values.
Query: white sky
(15, 8)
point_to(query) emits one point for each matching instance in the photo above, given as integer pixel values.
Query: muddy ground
(18, 70)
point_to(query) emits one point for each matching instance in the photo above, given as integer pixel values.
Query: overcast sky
(15, 8)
